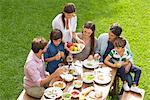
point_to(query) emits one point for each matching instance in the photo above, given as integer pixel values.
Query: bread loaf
(87, 90)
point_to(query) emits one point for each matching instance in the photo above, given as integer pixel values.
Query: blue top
(52, 50)
(108, 49)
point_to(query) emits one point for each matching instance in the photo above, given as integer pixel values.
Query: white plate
(81, 46)
(87, 75)
(59, 84)
(53, 92)
(90, 64)
(67, 77)
(92, 96)
(103, 70)
(105, 79)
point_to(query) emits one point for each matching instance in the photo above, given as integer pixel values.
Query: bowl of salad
(88, 77)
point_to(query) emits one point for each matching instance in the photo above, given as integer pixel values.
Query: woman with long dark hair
(66, 22)
(88, 36)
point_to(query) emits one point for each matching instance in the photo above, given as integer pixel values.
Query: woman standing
(66, 22)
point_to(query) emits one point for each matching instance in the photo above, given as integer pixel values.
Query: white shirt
(67, 33)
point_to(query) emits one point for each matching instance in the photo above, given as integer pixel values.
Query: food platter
(53, 92)
(102, 78)
(75, 48)
(90, 64)
(59, 84)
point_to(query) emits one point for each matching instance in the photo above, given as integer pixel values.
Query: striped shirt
(115, 57)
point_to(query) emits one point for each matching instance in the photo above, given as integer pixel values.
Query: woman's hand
(80, 41)
(97, 56)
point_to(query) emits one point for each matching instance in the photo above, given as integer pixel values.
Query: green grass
(22, 20)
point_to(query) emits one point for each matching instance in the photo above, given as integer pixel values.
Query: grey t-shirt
(86, 51)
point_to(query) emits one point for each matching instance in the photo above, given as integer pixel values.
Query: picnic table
(104, 88)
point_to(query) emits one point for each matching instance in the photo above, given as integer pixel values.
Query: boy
(55, 51)
(121, 58)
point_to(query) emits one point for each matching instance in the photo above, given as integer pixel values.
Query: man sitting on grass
(35, 79)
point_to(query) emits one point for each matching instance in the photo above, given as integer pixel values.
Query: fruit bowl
(75, 48)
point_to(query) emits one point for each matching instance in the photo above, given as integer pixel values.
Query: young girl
(55, 51)
(66, 22)
(121, 58)
(88, 36)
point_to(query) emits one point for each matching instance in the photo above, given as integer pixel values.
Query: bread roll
(87, 90)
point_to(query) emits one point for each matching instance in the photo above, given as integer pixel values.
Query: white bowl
(68, 77)
(66, 96)
(75, 93)
(78, 83)
(88, 77)
(59, 84)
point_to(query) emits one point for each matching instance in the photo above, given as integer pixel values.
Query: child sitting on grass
(55, 51)
(121, 58)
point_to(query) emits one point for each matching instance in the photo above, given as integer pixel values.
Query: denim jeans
(127, 76)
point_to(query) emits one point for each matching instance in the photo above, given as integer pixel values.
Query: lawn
(22, 20)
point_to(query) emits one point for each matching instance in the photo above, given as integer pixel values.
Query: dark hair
(55, 34)
(119, 42)
(38, 44)
(91, 25)
(116, 29)
(68, 8)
